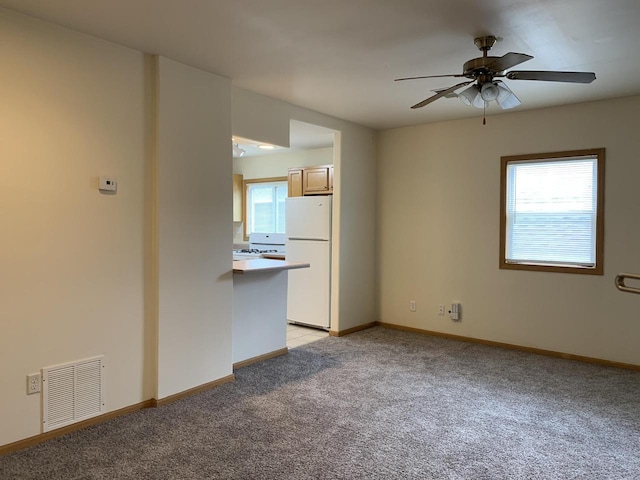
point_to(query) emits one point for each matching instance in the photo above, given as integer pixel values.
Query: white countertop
(265, 265)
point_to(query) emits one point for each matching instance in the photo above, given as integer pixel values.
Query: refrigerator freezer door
(308, 217)
(308, 295)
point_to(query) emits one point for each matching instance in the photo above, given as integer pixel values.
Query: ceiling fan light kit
(484, 71)
(480, 97)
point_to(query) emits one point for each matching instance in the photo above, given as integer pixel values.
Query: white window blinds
(551, 209)
(265, 202)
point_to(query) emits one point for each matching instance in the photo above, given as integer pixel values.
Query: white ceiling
(340, 57)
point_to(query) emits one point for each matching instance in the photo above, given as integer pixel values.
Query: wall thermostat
(108, 184)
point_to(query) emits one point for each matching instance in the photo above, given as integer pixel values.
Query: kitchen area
(282, 245)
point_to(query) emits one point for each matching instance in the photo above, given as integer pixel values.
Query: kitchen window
(552, 212)
(265, 200)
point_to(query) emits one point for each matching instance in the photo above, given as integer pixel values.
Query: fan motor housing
(478, 66)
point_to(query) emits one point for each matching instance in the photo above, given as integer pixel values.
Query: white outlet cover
(34, 381)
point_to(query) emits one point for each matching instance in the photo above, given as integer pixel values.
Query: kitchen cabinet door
(237, 198)
(317, 180)
(294, 186)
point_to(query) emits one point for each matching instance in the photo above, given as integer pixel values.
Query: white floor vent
(73, 392)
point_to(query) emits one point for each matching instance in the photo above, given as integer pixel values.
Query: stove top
(249, 253)
(261, 243)
(255, 250)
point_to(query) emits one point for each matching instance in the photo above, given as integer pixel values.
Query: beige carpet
(377, 404)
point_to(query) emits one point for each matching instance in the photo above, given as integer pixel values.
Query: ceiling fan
(484, 73)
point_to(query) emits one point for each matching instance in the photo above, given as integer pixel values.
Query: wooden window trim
(599, 266)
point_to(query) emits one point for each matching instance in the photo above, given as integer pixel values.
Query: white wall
(71, 281)
(194, 198)
(277, 164)
(438, 231)
(260, 118)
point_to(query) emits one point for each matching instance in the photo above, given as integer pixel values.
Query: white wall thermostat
(108, 184)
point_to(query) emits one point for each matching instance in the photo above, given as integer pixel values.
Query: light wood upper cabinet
(311, 181)
(237, 198)
(317, 180)
(294, 187)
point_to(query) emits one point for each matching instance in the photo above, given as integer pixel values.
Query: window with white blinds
(552, 212)
(265, 206)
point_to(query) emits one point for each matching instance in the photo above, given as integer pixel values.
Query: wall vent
(73, 392)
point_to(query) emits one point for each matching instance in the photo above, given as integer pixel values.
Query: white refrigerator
(308, 227)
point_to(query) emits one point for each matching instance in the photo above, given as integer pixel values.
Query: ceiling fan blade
(442, 93)
(549, 76)
(508, 60)
(429, 76)
(448, 95)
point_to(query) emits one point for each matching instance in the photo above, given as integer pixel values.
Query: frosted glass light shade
(506, 98)
(468, 95)
(489, 92)
(471, 97)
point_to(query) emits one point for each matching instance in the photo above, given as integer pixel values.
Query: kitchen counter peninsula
(265, 265)
(260, 309)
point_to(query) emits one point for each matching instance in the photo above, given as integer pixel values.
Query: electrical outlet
(412, 306)
(441, 310)
(33, 383)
